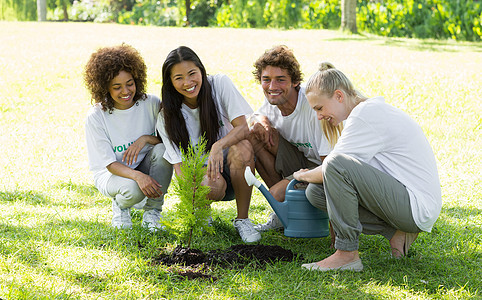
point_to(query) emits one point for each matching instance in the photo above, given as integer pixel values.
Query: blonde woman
(380, 178)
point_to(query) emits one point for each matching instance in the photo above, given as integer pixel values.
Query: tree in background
(348, 15)
(42, 10)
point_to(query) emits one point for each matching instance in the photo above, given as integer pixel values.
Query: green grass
(55, 237)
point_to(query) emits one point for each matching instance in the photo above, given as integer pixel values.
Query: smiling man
(285, 133)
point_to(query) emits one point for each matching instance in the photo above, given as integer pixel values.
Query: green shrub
(203, 13)
(21, 10)
(151, 12)
(242, 14)
(90, 11)
(322, 14)
(193, 209)
(440, 19)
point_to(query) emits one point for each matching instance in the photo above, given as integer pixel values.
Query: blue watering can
(299, 217)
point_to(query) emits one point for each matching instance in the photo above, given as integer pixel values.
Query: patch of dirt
(196, 263)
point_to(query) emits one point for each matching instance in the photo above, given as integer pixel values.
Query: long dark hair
(171, 102)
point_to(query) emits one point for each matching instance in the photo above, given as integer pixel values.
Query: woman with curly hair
(195, 105)
(125, 155)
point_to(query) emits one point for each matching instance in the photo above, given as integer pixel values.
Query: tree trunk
(42, 10)
(188, 11)
(348, 15)
(64, 8)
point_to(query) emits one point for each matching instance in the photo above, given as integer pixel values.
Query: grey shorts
(227, 177)
(289, 159)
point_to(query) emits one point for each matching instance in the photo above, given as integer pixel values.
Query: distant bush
(152, 12)
(21, 10)
(439, 19)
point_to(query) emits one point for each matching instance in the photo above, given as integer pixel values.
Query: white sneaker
(121, 217)
(246, 230)
(151, 219)
(273, 223)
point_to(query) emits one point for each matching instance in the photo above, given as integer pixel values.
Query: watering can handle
(291, 185)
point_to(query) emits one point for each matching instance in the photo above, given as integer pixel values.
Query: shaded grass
(55, 236)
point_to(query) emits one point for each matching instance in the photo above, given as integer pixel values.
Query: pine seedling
(193, 210)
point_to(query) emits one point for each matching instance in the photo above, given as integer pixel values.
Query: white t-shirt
(388, 139)
(229, 104)
(108, 135)
(301, 128)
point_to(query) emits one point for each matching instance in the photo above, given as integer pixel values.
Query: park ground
(55, 236)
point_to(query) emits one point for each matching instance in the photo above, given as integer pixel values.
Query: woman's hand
(299, 175)
(131, 154)
(215, 162)
(312, 176)
(149, 186)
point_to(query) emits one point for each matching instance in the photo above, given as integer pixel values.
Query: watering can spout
(280, 208)
(250, 178)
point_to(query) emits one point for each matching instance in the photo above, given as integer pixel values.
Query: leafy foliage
(440, 19)
(22, 10)
(193, 209)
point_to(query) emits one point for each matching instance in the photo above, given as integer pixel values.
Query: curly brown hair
(282, 57)
(105, 64)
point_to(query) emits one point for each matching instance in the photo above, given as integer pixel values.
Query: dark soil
(196, 262)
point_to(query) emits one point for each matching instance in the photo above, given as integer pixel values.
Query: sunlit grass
(55, 234)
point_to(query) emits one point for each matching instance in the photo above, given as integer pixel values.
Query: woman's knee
(315, 194)
(129, 194)
(335, 162)
(241, 154)
(217, 188)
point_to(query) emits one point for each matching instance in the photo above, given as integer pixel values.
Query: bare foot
(400, 243)
(339, 258)
(396, 242)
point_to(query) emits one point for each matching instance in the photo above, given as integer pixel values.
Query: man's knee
(241, 154)
(279, 190)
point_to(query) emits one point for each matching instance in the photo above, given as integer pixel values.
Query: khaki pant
(127, 193)
(360, 198)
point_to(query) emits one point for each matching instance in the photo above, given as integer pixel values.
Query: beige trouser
(127, 193)
(360, 198)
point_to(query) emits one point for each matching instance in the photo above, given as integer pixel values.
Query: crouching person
(125, 155)
(380, 178)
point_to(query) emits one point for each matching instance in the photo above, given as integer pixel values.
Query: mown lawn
(55, 236)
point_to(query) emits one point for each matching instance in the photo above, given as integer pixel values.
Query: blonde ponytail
(325, 66)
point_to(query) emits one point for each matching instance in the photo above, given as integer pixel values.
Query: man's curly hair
(282, 57)
(105, 64)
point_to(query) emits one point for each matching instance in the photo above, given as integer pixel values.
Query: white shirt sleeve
(99, 146)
